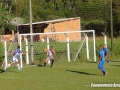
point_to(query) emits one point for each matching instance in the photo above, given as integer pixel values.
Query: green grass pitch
(62, 76)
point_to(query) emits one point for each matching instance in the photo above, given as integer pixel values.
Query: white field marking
(87, 85)
(20, 77)
(56, 85)
(61, 84)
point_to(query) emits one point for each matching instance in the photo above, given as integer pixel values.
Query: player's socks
(18, 67)
(52, 61)
(5, 69)
(108, 62)
(105, 74)
(44, 64)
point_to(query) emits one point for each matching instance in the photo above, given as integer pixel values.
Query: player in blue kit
(101, 60)
(15, 54)
(105, 49)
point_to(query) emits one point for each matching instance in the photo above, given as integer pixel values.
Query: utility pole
(31, 31)
(111, 24)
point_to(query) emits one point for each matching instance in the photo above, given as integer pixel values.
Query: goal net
(69, 46)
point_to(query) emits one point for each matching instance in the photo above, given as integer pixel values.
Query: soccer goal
(69, 46)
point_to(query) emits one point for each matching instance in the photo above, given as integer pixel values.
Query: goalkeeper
(50, 52)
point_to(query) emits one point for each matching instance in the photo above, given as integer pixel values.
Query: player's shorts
(14, 60)
(105, 54)
(101, 63)
(49, 58)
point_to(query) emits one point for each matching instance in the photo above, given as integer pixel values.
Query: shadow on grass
(1, 71)
(40, 65)
(82, 72)
(114, 60)
(10, 70)
(116, 65)
(93, 62)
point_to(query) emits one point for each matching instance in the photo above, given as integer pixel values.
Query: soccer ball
(45, 50)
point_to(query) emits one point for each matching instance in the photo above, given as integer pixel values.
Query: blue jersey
(102, 54)
(17, 53)
(105, 50)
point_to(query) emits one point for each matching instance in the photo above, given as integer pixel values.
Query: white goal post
(57, 38)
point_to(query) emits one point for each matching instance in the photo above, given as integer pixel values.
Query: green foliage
(116, 17)
(53, 9)
(93, 10)
(4, 16)
(97, 25)
(4, 19)
(11, 27)
(116, 47)
(116, 11)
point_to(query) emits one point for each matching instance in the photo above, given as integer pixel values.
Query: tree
(88, 10)
(116, 17)
(4, 17)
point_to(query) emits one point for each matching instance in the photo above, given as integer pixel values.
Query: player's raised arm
(53, 51)
(24, 53)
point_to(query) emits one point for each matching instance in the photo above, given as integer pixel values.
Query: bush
(97, 25)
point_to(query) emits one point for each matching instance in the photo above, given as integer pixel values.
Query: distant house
(58, 25)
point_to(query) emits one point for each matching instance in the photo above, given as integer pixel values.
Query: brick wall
(71, 25)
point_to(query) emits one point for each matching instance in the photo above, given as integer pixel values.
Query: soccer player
(101, 60)
(15, 54)
(50, 52)
(105, 49)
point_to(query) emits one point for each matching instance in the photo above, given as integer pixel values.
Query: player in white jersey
(15, 54)
(50, 52)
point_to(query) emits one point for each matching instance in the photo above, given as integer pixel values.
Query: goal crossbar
(85, 31)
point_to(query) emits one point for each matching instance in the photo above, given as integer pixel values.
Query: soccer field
(62, 76)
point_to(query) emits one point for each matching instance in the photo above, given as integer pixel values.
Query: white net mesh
(11, 45)
(60, 42)
(69, 46)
